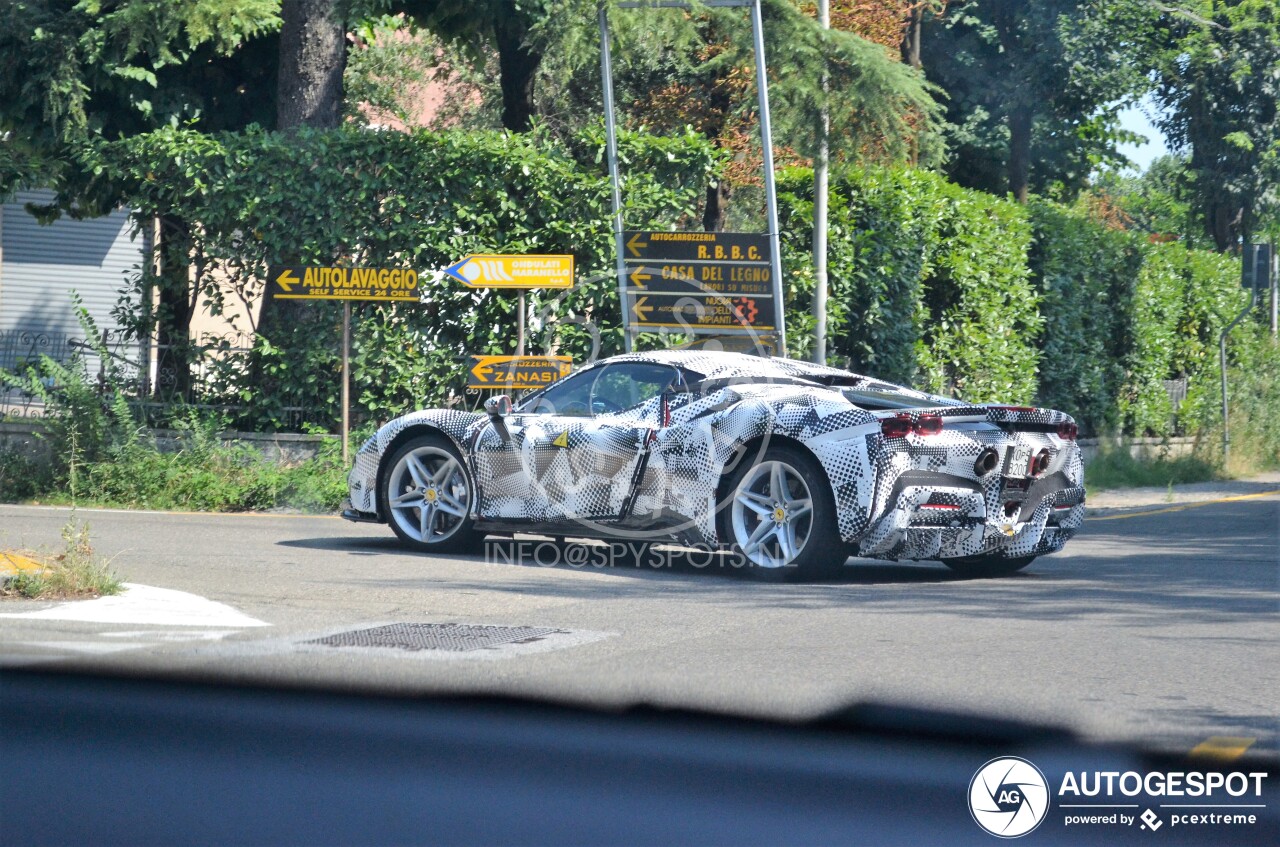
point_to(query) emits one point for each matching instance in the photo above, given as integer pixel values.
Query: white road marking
(161, 635)
(145, 604)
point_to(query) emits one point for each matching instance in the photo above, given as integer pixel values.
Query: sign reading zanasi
(497, 270)
(388, 285)
(517, 371)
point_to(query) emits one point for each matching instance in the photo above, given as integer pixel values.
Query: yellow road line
(1185, 506)
(1222, 747)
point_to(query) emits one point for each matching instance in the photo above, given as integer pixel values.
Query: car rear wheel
(781, 517)
(988, 565)
(427, 496)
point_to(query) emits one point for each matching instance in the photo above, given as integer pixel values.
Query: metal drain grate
(452, 637)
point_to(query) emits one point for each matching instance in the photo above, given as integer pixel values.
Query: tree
(1033, 90)
(73, 73)
(1154, 202)
(1218, 84)
(313, 55)
(507, 26)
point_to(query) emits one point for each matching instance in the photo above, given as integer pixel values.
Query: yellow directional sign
(388, 285)
(696, 312)
(517, 371)
(497, 270)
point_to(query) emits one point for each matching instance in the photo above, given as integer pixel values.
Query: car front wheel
(427, 494)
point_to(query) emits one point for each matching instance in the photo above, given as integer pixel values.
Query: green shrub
(1087, 276)
(390, 199)
(928, 281)
(1119, 469)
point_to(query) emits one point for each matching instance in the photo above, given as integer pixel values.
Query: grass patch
(1118, 469)
(75, 572)
(216, 479)
(205, 476)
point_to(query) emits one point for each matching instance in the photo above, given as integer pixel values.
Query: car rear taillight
(900, 426)
(1068, 431)
(928, 425)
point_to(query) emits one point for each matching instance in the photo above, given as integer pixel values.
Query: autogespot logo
(1008, 797)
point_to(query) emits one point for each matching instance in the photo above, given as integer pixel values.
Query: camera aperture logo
(1008, 797)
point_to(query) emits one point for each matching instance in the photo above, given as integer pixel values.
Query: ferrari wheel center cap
(779, 514)
(430, 495)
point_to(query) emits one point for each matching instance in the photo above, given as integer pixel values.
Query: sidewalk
(1192, 492)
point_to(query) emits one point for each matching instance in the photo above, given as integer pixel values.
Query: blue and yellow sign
(498, 270)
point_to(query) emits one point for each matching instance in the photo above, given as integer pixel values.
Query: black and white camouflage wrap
(632, 472)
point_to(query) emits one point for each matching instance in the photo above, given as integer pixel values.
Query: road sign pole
(611, 148)
(770, 190)
(520, 324)
(346, 381)
(820, 188)
(1249, 275)
(1275, 287)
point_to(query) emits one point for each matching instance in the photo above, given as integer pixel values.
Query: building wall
(40, 266)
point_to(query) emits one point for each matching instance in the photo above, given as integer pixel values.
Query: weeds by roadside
(1118, 469)
(75, 572)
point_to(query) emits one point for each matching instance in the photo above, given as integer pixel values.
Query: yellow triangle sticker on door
(562, 440)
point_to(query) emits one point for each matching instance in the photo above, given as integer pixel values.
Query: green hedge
(1087, 276)
(964, 293)
(1123, 315)
(929, 281)
(390, 199)
(931, 284)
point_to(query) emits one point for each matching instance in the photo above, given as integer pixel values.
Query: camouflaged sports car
(785, 462)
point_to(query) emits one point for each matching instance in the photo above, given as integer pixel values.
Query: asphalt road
(1158, 626)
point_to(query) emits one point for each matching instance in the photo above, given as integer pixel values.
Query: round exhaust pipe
(1040, 463)
(987, 461)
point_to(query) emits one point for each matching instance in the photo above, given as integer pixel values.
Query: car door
(573, 452)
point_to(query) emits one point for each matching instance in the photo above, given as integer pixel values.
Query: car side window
(601, 391)
(571, 397)
(627, 385)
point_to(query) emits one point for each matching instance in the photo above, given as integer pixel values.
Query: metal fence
(148, 373)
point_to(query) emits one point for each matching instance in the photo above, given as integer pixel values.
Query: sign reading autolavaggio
(343, 283)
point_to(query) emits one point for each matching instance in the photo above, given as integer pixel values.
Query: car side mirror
(498, 406)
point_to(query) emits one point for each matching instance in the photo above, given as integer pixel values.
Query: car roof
(715, 364)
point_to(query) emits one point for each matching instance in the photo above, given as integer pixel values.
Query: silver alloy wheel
(428, 495)
(772, 514)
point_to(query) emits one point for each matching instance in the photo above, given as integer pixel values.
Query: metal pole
(820, 166)
(346, 381)
(520, 325)
(771, 193)
(611, 147)
(1275, 288)
(1222, 360)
